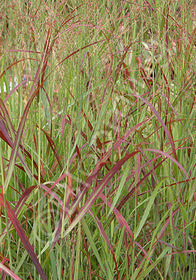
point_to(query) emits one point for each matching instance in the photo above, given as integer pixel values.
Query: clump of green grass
(97, 146)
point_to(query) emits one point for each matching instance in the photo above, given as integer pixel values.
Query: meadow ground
(97, 139)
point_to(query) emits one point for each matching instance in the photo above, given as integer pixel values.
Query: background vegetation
(97, 140)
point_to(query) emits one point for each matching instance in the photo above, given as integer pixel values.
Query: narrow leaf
(25, 241)
(9, 272)
(148, 208)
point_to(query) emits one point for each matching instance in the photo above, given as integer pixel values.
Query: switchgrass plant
(97, 148)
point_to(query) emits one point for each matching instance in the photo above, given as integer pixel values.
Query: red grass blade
(101, 229)
(96, 193)
(25, 241)
(53, 147)
(171, 158)
(161, 122)
(9, 272)
(121, 220)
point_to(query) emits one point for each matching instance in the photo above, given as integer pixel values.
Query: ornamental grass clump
(97, 140)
